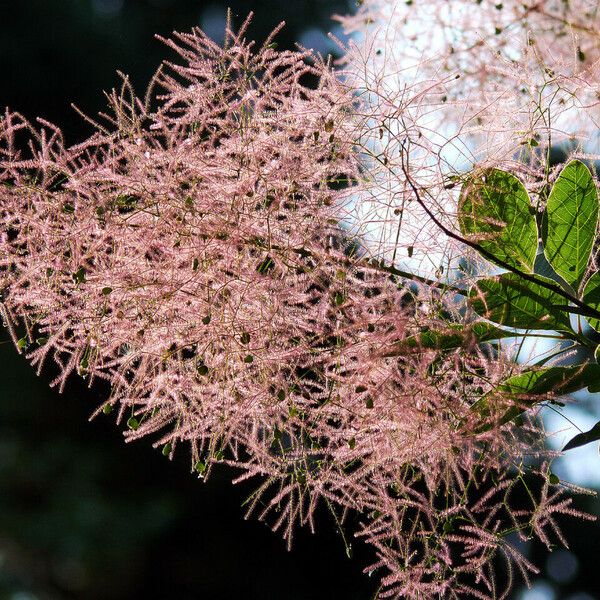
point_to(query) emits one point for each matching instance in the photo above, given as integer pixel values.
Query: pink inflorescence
(195, 254)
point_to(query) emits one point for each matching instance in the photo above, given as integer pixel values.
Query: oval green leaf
(524, 387)
(495, 212)
(510, 300)
(571, 217)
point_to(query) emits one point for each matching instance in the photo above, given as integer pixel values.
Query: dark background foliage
(83, 516)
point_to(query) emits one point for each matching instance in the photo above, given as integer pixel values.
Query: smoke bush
(448, 86)
(209, 253)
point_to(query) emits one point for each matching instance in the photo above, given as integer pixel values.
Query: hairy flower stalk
(207, 254)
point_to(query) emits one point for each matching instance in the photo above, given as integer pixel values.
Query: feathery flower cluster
(197, 255)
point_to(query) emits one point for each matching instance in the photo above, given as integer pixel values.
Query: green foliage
(133, 423)
(496, 215)
(560, 380)
(571, 217)
(201, 368)
(528, 387)
(495, 211)
(79, 276)
(511, 301)
(525, 298)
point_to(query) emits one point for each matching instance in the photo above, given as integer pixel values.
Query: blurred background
(84, 516)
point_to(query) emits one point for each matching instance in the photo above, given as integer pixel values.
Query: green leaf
(133, 423)
(524, 387)
(339, 298)
(201, 368)
(79, 276)
(454, 336)
(510, 300)
(559, 380)
(591, 296)
(572, 216)
(495, 212)
(581, 439)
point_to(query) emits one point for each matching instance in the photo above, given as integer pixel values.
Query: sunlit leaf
(512, 301)
(531, 387)
(571, 216)
(496, 213)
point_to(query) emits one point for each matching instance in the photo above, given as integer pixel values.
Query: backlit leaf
(510, 300)
(496, 213)
(531, 387)
(572, 216)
